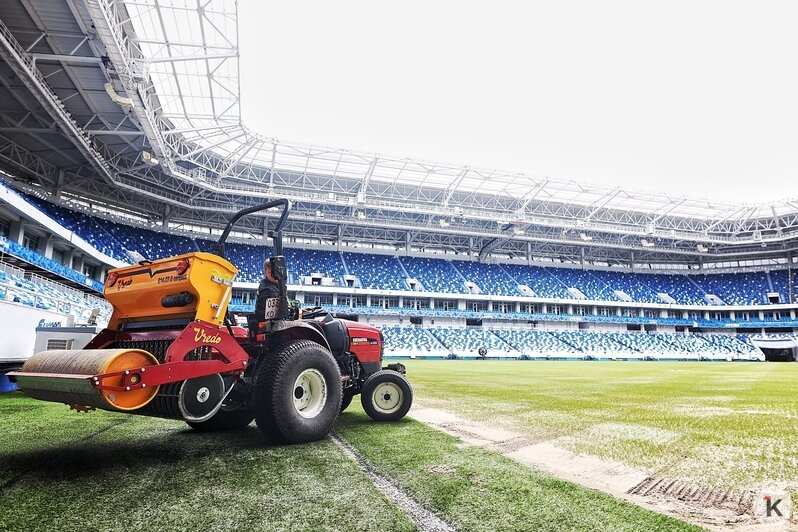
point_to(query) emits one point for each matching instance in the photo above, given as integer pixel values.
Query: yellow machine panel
(196, 285)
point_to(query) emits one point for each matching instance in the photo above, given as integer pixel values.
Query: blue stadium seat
(435, 275)
(540, 280)
(376, 271)
(303, 262)
(411, 341)
(490, 278)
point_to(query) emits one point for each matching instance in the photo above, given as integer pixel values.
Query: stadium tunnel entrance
(778, 349)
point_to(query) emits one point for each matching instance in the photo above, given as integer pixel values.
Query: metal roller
(66, 377)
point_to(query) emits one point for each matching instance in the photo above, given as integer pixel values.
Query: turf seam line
(424, 519)
(8, 484)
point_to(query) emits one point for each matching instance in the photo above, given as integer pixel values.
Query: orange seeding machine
(173, 350)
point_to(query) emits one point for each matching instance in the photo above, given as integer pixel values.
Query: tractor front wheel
(297, 393)
(386, 396)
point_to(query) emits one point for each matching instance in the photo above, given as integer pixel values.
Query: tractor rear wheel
(234, 418)
(386, 396)
(296, 393)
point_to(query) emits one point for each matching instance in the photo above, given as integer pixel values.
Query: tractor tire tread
(280, 423)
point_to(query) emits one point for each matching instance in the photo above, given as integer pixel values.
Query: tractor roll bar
(276, 234)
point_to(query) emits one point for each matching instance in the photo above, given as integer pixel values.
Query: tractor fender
(298, 330)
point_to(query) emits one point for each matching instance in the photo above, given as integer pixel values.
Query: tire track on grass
(8, 484)
(424, 519)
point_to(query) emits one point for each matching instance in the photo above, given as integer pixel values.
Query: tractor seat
(336, 334)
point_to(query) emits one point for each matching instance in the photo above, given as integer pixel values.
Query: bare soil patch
(709, 507)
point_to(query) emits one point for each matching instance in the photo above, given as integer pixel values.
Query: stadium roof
(137, 104)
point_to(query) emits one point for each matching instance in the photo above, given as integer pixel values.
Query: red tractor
(173, 350)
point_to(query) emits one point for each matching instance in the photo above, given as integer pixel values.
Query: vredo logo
(120, 283)
(202, 337)
(182, 266)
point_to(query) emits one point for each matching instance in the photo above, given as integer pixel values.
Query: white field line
(424, 519)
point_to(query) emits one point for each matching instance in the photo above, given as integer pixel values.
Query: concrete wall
(18, 330)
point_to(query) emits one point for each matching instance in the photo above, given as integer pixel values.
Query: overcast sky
(693, 97)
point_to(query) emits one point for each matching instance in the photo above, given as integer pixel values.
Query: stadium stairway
(699, 287)
(567, 341)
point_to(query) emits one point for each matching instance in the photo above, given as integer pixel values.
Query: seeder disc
(200, 398)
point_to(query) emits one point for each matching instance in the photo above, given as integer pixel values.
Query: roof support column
(167, 212)
(46, 247)
(17, 231)
(59, 184)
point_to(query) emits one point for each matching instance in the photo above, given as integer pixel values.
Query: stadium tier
(460, 342)
(529, 342)
(37, 259)
(467, 342)
(430, 275)
(37, 292)
(410, 341)
(747, 288)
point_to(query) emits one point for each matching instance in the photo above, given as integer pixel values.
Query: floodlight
(149, 159)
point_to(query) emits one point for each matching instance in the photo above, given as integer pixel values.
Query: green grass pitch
(729, 425)
(62, 470)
